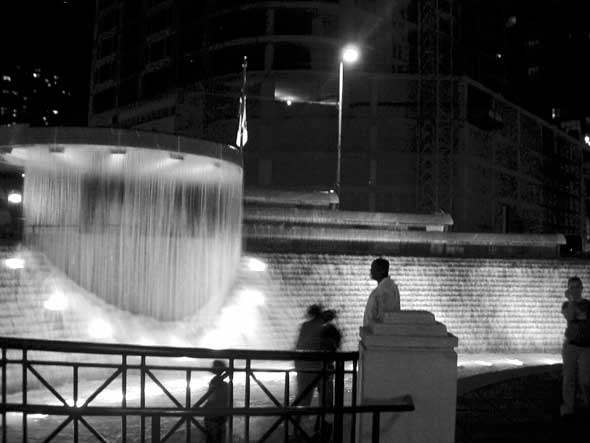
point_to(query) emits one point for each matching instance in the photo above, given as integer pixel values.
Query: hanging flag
(242, 137)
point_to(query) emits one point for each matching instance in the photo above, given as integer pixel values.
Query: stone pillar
(409, 353)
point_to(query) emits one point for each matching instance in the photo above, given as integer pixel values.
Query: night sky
(50, 34)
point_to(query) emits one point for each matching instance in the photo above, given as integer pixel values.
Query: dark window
(249, 23)
(108, 21)
(158, 50)
(159, 21)
(105, 3)
(107, 46)
(156, 82)
(105, 73)
(132, 9)
(229, 60)
(291, 56)
(155, 2)
(294, 21)
(104, 100)
(128, 91)
(192, 39)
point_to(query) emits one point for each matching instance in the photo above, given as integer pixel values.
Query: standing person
(385, 297)
(309, 340)
(331, 339)
(576, 348)
(217, 397)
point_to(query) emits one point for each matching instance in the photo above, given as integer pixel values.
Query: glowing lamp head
(100, 329)
(350, 54)
(15, 198)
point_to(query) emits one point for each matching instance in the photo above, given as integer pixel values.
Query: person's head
(314, 311)
(328, 315)
(574, 286)
(218, 367)
(379, 269)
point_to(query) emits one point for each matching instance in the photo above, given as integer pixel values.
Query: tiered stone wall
(491, 305)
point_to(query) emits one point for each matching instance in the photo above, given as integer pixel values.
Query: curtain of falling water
(145, 232)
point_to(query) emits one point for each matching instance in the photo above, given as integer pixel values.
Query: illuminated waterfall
(149, 232)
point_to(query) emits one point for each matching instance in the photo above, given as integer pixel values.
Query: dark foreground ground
(519, 410)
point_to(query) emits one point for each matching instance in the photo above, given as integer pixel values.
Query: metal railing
(261, 398)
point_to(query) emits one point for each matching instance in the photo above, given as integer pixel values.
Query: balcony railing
(157, 393)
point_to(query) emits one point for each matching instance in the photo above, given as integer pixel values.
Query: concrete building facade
(175, 66)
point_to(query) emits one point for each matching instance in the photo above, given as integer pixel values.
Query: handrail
(102, 411)
(168, 351)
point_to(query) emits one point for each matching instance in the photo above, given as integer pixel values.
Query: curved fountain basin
(152, 231)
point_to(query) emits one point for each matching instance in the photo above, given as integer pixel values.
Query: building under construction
(417, 136)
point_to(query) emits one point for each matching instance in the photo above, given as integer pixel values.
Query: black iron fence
(104, 392)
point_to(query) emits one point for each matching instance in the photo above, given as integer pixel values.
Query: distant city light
(100, 329)
(498, 55)
(15, 198)
(36, 74)
(256, 265)
(289, 102)
(587, 140)
(350, 54)
(6, 78)
(55, 111)
(23, 175)
(56, 302)
(14, 263)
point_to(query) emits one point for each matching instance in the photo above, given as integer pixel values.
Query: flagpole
(242, 136)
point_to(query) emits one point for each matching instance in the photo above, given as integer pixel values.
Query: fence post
(339, 401)
(155, 429)
(375, 432)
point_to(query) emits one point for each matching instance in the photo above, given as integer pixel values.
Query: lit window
(587, 139)
(6, 78)
(36, 74)
(55, 111)
(498, 55)
(555, 113)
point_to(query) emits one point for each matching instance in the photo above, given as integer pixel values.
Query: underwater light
(14, 263)
(100, 329)
(256, 265)
(15, 198)
(56, 302)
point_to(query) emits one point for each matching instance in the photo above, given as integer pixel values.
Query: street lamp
(349, 55)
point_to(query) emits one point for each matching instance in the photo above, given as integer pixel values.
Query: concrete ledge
(272, 237)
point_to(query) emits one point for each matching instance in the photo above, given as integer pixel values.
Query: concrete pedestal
(409, 353)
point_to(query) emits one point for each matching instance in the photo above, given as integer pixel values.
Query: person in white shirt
(385, 297)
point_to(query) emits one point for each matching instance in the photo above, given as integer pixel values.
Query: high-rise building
(538, 51)
(414, 137)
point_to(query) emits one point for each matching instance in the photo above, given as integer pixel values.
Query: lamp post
(349, 55)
